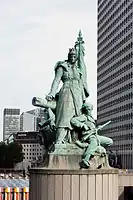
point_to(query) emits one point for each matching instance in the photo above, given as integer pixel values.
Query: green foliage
(10, 154)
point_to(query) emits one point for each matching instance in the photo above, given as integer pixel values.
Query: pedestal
(62, 178)
(65, 156)
(51, 184)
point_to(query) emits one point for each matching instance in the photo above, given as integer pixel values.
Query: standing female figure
(71, 96)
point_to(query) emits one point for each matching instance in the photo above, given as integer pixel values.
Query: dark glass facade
(115, 75)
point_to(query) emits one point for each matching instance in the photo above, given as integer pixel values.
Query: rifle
(95, 131)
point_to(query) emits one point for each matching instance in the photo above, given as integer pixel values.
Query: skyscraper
(11, 122)
(115, 75)
(29, 120)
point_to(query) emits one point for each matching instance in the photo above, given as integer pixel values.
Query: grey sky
(34, 35)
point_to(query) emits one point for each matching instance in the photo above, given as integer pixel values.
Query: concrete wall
(125, 180)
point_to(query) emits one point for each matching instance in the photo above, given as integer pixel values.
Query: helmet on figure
(87, 107)
(72, 55)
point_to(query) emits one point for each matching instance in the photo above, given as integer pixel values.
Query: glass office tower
(115, 75)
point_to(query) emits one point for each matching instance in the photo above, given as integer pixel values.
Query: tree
(2, 154)
(10, 154)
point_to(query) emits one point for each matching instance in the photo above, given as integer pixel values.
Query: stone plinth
(68, 156)
(51, 184)
(65, 156)
(67, 149)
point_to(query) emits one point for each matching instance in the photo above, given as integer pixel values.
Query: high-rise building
(29, 120)
(115, 75)
(38, 112)
(11, 122)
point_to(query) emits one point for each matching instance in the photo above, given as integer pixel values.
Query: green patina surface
(73, 126)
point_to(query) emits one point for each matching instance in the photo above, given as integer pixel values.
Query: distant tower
(11, 122)
(29, 120)
(115, 75)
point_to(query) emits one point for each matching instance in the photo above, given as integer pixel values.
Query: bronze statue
(71, 96)
(47, 131)
(86, 124)
(72, 115)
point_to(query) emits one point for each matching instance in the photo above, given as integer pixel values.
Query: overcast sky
(34, 35)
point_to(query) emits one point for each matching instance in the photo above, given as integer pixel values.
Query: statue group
(67, 114)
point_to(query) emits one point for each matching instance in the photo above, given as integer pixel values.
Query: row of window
(99, 2)
(115, 102)
(120, 118)
(120, 99)
(117, 65)
(105, 38)
(28, 142)
(105, 6)
(112, 45)
(11, 111)
(118, 128)
(109, 44)
(32, 154)
(117, 48)
(122, 42)
(118, 71)
(32, 149)
(31, 145)
(117, 16)
(27, 137)
(115, 74)
(120, 52)
(128, 136)
(117, 83)
(114, 18)
(122, 147)
(29, 158)
(125, 58)
(118, 109)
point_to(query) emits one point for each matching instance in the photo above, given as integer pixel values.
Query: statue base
(69, 156)
(63, 179)
(65, 156)
(99, 161)
(57, 184)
